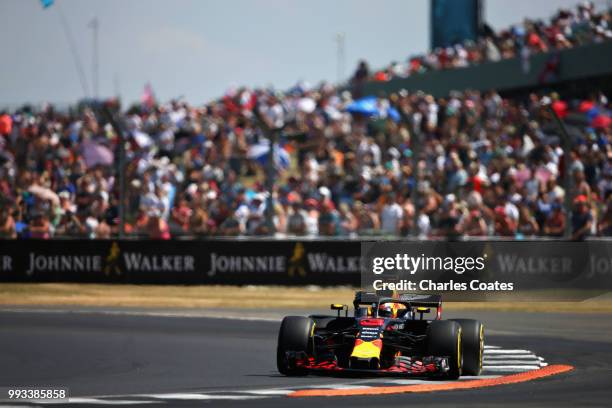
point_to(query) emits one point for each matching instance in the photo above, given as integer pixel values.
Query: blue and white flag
(46, 3)
(259, 153)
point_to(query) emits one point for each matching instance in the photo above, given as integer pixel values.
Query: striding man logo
(111, 266)
(296, 262)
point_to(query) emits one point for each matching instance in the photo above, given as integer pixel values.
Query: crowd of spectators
(487, 166)
(566, 29)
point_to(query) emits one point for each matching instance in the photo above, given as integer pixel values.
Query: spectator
(7, 224)
(555, 223)
(474, 224)
(329, 221)
(582, 219)
(348, 222)
(39, 226)
(296, 224)
(312, 216)
(605, 225)
(449, 218)
(367, 221)
(69, 225)
(527, 224)
(157, 228)
(391, 215)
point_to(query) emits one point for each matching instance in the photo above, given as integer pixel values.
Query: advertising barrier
(182, 262)
(557, 266)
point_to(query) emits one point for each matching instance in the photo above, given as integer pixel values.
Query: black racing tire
(444, 340)
(295, 334)
(472, 338)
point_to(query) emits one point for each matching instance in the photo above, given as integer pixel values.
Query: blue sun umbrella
(368, 106)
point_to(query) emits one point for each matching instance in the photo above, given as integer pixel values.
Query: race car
(401, 334)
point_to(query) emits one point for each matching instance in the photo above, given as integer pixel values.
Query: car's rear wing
(422, 300)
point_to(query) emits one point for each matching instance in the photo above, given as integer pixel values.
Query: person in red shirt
(157, 227)
(6, 124)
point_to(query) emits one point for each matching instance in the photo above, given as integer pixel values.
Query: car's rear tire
(472, 338)
(444, 340)
(295, 335)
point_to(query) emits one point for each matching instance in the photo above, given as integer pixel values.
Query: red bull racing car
(402, 335)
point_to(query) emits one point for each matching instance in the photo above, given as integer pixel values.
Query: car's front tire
(472, 333)
(295, 335)
(444, 340)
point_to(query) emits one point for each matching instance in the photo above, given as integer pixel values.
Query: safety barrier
(273, 262)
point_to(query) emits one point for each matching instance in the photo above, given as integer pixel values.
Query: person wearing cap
(329, 221)
(582, 219)
(312, 216)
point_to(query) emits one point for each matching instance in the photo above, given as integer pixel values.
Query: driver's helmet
(390, 309)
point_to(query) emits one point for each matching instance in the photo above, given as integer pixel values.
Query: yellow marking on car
(367, 349)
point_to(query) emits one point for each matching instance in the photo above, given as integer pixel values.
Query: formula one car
(401, 335)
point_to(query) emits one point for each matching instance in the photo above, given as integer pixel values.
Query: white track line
(198, 397)
(510, 367)
(502, 357)
(267, 392)
(98, 401)
(504, 351)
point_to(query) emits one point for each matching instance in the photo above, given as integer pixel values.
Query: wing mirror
(422, 310)
(339, 307)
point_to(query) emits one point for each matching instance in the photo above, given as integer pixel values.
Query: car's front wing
(423, 366)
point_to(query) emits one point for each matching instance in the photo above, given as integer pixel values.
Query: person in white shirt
(391, 215)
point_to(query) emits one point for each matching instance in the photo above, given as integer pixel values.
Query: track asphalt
(173, 358)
